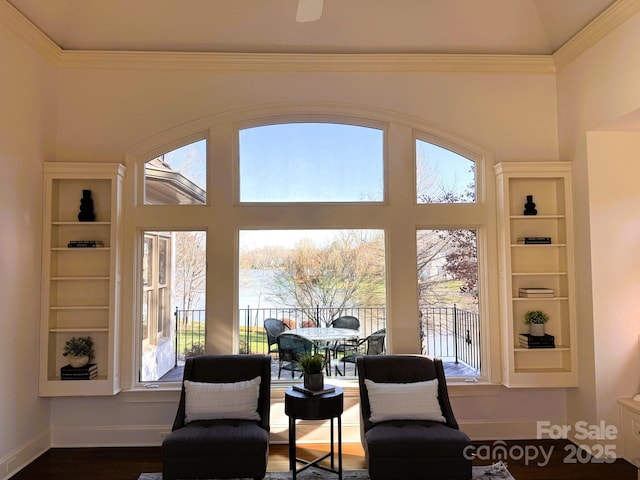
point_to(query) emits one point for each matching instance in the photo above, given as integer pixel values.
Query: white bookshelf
(80, 286)
(537, 266)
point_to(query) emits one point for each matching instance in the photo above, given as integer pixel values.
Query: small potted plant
(312, 366)
(79, 350)
(536, 320)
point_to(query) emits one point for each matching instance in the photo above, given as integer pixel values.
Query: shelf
(80, 286)
(83, 249)
(536, 265)
(83, 278)
(537, 245)
(539, 274)
(78, 329)
(541, 350)
(538, 299)
(84, 224)
(536, 217)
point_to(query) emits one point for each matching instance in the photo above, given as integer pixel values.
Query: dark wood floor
(128, 463)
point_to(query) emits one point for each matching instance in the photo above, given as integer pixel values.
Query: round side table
(326, 406)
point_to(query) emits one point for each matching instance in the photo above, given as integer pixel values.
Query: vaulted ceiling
(513, 27)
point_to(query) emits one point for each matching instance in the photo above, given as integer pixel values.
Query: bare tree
(190, 272)
(338, 275)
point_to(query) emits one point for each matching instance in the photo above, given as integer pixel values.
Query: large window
(304, 219)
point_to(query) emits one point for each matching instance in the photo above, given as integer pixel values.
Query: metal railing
(447, 332)
(451, 334)
(253, 337)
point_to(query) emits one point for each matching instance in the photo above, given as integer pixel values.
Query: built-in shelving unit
(80, 286)
(548, 266)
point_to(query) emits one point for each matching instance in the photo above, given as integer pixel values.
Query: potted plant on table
(79, 350)
(312, 366)
(536, 320)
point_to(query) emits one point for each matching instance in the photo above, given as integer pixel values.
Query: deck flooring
(451, 369)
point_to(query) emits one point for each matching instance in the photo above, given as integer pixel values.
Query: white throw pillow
(404, 401)
(211, 401)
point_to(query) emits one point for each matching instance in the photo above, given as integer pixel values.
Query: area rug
(497, 471)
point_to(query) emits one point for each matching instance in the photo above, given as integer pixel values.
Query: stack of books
(534, 240)
(85, 244)
(87, 372)
(529, 341)
(535, 292)
(303, 389)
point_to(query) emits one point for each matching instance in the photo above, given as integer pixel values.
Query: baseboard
(22, 456)
(109, 436)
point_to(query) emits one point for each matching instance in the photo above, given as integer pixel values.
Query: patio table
(321, 337)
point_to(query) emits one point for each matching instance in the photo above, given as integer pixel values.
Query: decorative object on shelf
(535, 292)
(534, 240)
(87, 372)
(530, 207)
(536, 320)
(85, 244)
(526, 340)
(312, 365)
(86, 213)
(79, 350)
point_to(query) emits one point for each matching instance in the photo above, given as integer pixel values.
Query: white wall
(27, 96)
(595, 92)
(104, 112)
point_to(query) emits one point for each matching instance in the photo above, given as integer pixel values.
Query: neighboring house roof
(165, 186)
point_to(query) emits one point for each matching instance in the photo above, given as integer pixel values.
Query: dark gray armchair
(411, 449)
(222, 448)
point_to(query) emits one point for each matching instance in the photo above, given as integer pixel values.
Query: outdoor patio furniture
(347, 345)
(273, 328)
(323, 339)
(226, 437)
(371, 345)
(396, 446)
(290, 348)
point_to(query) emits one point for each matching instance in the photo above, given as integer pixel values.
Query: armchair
(411, 432)
(221, 428)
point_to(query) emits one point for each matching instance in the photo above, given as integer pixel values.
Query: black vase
(530, 207)
(86, 213)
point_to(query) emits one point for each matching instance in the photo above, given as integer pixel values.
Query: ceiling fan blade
(309, 10)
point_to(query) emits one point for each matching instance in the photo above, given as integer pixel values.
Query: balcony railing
(451, 334)
(447, 332)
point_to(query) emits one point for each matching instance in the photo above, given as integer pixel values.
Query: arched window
(307, 218)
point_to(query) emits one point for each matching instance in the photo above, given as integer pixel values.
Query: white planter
(536, 329)
(77, 362)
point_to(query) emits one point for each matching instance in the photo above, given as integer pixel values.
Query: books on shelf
(536, 292)
(85, 244)
(527, 340)
(87, 372)
(301, 388)
(534, 240)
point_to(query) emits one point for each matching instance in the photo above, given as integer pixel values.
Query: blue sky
(322, 162)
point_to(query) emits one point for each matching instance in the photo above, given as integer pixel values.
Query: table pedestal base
(293, 460)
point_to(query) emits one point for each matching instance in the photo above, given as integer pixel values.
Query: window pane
(173, 310)
(309, 278)
(448, 299)
(177, 177)
(311, 162)
(443, 176)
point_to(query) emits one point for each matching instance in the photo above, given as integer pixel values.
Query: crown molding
(293, 62)
(29, 33)
(606, 22)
